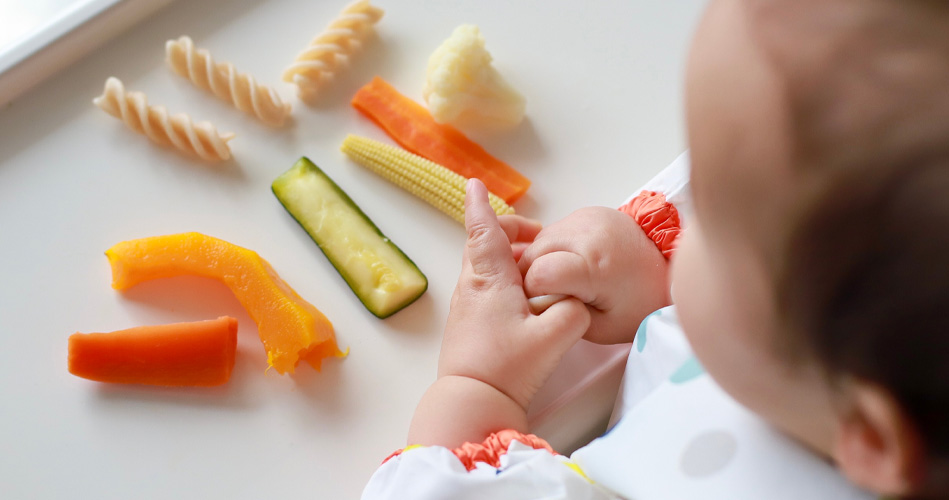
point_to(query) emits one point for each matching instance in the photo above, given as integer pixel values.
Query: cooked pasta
(224, 81)
(323, 57)
(179, 131)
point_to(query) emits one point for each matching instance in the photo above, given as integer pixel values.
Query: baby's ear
(877, 446)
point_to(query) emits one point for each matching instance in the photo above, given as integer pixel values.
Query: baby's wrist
(458, 409)
(658, 218)
(471, 381)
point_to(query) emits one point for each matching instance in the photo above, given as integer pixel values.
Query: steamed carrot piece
(412, 126)
(199, 353)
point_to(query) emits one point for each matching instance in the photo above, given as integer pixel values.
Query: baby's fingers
(519, 229)
(560, 273)
(564, 323)
(488, 250)
(541, 303)
(518, 249)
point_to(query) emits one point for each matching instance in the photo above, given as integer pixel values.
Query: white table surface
(603, 84)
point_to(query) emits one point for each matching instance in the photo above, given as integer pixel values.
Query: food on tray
(440, 187)
(179, 131)
(326, 54)
(383, 277)
(199, 353)
(413, 127)
(240, 89)
(291, 329)
(461, 85)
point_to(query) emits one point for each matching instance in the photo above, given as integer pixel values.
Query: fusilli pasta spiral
(153, 121)
(225, 82)
(322, 58)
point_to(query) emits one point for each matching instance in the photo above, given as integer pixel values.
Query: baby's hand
(491, 336)
(495, 353)
(604, 258)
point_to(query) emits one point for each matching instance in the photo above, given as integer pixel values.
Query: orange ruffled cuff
(658, 218)
(491, 449)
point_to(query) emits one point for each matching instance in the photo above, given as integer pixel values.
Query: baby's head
(814, 281)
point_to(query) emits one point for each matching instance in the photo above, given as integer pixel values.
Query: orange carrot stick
(200, 353)
(413, 127)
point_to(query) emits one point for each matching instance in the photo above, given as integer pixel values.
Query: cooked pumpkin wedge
(291, 329)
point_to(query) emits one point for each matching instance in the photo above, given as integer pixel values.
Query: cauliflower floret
(463, 87)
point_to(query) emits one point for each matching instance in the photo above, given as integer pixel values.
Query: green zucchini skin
(383, 278)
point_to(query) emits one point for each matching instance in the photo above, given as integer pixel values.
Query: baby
(812, 282)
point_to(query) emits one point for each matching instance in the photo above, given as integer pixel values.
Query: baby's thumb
(488, 250)
(565, 322)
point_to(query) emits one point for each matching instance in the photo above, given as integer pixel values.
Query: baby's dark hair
(863, 275)
(866, 286)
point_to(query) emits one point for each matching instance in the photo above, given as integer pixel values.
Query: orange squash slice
(291, 329)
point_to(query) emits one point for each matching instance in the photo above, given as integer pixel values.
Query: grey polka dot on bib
(708, 453)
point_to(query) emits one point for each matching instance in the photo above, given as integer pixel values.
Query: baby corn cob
(440, 187)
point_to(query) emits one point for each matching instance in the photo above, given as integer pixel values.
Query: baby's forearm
(457, 409)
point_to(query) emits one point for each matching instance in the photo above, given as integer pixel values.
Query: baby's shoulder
(679, 435)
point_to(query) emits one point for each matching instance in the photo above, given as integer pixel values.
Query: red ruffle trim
(491, 449)
(658, 218)
(495, 446)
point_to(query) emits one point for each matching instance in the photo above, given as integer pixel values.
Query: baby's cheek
(694, 294)
(681, 277)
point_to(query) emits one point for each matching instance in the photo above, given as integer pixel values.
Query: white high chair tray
(603, 82)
